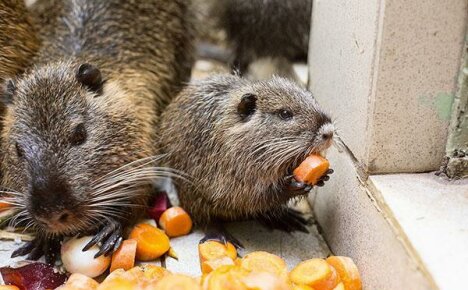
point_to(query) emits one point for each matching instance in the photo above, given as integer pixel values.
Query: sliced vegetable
(225, 278)
(212, 250)
(311, 169)
(316, 273)
(152, 243)
(302, 287)
(33, 276)
(119, 280)
(159, 205)
(347, 271)
(177, 282)
(154, 273)
(76, 261)
(79, 282)
(172, 253)
(265, 262)
(210, 265)
(9, 287)
(4, 205)
(124, 257)
(264, 281)
(175, 221)
(340, 287)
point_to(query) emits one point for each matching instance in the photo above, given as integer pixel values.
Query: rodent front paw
(110, 237)
(40, 247)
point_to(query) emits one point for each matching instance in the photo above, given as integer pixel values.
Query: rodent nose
(327, 136)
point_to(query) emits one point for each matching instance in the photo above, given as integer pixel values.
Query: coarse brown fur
(18, 40)
(237, 162)
(258, 28)
(79, 152)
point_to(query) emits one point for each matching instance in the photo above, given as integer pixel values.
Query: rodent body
(237, 140)
(264, 29)
(80, 132)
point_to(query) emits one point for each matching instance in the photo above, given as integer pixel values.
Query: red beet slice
(34, 276)
(159, 205)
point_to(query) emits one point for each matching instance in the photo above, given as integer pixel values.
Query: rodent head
(65, 129)
(284, 123)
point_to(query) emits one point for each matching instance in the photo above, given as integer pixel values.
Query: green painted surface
(442, 103)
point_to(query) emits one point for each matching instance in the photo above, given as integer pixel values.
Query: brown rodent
(264, 29)
(18, 40)
(238, 141)
(80, 130)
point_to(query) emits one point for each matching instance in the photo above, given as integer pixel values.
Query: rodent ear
(90, 76)
(247, 105)
(8, 91)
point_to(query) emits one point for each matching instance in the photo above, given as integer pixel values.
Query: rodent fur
(236, 153)
(90, 105)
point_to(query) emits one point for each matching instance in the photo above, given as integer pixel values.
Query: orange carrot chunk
(79, 281)
(124, 257)
(212, 250)
(177, 281)
(9, 287)
(175, 221)
(210, 265)
(340, 287)
(265, 262)
(347, 271)
(4, 206)
(316, 273)
(311, 169)
(152, 243)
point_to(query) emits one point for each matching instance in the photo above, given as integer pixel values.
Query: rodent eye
(19, 150)
(79, 135)
(285, 114)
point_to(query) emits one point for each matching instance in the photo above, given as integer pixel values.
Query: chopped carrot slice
(265, 262)
(4, 206)
(124, 257)
(210, 265)
(264, 281)
(340, 287)
(302, 287)
(212, 250)
(118, 280)
(79, 281)
(311, 169)
(316, 273)
(9, 287)
(347, 271)
(226, 277)
(152, 243)
(155, 273)
(177, 281)
(175, 221)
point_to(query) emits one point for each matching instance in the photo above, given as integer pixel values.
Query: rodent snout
(55, 219)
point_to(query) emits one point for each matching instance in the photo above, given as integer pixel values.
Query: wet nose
(327, 136)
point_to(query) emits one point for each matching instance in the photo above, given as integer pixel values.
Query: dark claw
(39, 247)
(117, 244)
(330, 171)
(320, 183)
(23, 250)
(108, 246)
(109, 235)
(36, 253)
(294, 187)
(326, 178)
(219, 234)
(289, 220)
